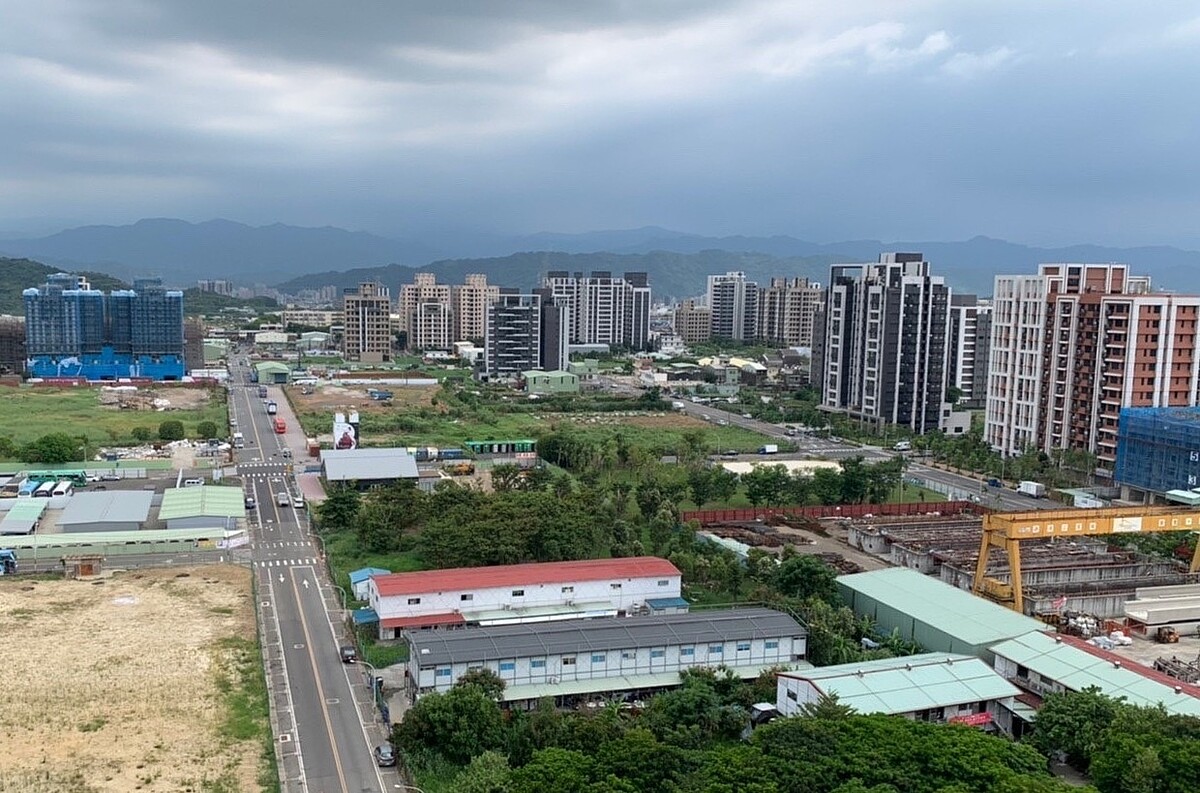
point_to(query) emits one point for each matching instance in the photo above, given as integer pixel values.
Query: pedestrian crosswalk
(285, 562)
(282, 544)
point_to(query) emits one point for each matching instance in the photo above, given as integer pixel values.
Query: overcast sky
(1040, 122)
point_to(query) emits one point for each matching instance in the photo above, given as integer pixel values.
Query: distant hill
(671, 274)
(182, 252)
(17, 275)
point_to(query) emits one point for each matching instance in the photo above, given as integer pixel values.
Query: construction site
(1061, 574)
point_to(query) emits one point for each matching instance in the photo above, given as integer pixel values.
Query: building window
(791, 694)
(628, 655)
(664, 582)
(567, 590)
(443, 672)
(508, 666)
(414, 601)
(716, 649)
(518, 593)
(599, 658)
(743, 647)
(614, 586)
(771, 644)
(466, 597)
(687, 652)
(658, 653)
(568, 660)
(537, 663)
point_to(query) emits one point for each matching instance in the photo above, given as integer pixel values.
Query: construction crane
(1006, 530)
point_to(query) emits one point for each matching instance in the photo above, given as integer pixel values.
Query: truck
(452, 454)
(1031, 489)
(272, 408)
(280, 426)
(239, 440)
(677, 406)
(262, 392)
(769, 448)
(379, 395)
(8, 562)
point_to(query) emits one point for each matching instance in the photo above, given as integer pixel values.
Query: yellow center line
(337, 760)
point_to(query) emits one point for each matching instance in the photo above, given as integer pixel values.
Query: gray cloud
(1049, 124)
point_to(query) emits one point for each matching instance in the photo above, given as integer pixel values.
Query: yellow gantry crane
(1006, 530)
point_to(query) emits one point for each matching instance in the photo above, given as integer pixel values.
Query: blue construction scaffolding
(1158, 449)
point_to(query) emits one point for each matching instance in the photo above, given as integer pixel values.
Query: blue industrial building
(1158, 454)
(72, 330)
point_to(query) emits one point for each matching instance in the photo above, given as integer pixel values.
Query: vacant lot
(146, 681)
(105, 417)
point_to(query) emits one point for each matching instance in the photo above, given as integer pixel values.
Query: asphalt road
(322, 714)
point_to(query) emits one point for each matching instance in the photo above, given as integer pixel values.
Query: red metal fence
(832, 511)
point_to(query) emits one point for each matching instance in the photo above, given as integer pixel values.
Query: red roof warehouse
(393, 584)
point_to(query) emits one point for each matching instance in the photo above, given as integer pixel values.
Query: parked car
(994, 483)
(250, 502)
(349, 654)
(93, 477)
(110, 478)
(385, 755)
(193, 482)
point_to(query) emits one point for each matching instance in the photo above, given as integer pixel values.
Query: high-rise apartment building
(970, 341)
(424, 290)
(693, 323)
(431, 326)
(1087, 340)
(367, 331)
(12, 344)
(602, 308)
(733, 301)
(73, 330)
(216, 286)
(555, 349)
(885, 342)
(786, 310)
(469, 301)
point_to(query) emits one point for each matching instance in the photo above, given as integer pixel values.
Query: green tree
(458, 725)
(171, 430)
(854, 481)
(766, 484)
(733, 769)
(506, 477)
(53, 448)
(700, 485)
(387, 514)
(826, 707)
(722, 484)
(142, 433)
(487, 773)
(1074, 724)
(206, 429)
(485, 680)
(554, 770)
(339, 511)
(807, 577)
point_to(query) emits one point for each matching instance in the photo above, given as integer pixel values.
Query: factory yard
(138, 681)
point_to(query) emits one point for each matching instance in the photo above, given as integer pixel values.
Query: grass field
(31, 412)
(148, 681)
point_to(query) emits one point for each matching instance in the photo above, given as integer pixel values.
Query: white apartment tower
(469, 303)
(425, 290)
(602, 308)
(970, 341)
(733, 301)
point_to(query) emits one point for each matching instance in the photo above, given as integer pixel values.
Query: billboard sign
(345, 433)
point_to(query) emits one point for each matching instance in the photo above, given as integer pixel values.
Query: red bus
(280, 426)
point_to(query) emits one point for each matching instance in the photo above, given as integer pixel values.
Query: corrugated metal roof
(345, 465)
(911, 683)
(600, 685)
(23, 515)
(477, 645)
(358, 576)
(113, 506)
(207, 501)
(953, 611)
(460, 578)
(1076, 668)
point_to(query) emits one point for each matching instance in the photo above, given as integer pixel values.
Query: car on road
(282, 499)
(110, 477)
(250, 502)
(730, 453)
(747, 416)
(298, 501)
(385, 755)
(93, 477)
(193, 482)
(994, 483)
(722, 423)
(348, 653)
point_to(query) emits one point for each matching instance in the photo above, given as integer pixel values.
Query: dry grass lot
(327, 398)
(148, 681)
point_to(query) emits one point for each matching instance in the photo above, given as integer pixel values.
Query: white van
(902, 446)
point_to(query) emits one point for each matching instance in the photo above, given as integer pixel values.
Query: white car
(193, 482)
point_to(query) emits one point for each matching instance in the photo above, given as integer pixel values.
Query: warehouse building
(203, 507)
(113, 510)
(578, 660)
(521, 593)
(933, 687)
(272, 373)
(1043, 664)
(939, 617)
(23, 516)
(368, 468)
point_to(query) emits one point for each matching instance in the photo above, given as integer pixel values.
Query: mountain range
(293, 257)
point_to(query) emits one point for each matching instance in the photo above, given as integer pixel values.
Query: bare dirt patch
(129, 684)
(327, 398)
(159, 399)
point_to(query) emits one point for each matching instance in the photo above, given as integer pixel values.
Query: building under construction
(1082, 574)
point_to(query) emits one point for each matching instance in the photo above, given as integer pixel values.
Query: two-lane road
(324, 717)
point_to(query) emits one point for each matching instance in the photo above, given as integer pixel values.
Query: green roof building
(273, 372)
(939, 617)
(555, 381)
(208, 506)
